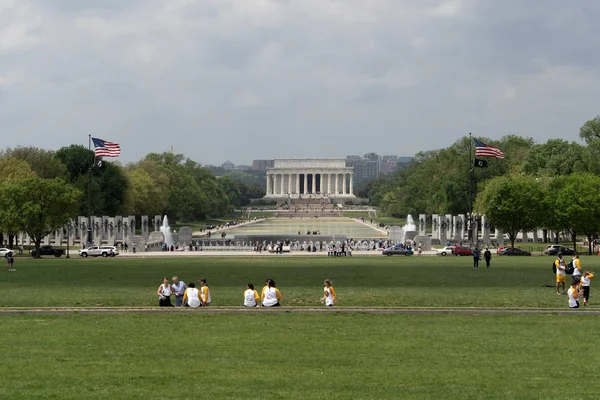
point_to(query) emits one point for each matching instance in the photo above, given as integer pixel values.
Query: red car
(462, 251)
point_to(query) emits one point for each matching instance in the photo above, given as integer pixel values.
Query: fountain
(166, 231)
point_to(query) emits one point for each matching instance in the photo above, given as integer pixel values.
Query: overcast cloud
(261, 79)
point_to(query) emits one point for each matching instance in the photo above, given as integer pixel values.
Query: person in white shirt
(164, 293)
(251, 297)
(191, 296)
(270, 295)
(574, 293)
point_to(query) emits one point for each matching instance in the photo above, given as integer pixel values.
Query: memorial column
(336, 184)
(297, 183)
(344, 184)
(268, 184)
(351, 185)
(289, 183)
(305, 183)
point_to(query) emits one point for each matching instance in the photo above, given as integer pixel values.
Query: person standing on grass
(10, 261)
(476, 254)
(191, 296)
(270, 295)
(576, 267)
(329, 296)
(251, 297)
(585, 286)
(178, 290)
(574, 293)
(204, 292)
(560, 265)
(164, 293)
(487, 255)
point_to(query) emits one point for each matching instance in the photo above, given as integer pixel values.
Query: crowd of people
(580, 283)
(190, 296)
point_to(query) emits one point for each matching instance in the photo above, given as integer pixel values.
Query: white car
(445, 250)
(4, 252)
(95, 251)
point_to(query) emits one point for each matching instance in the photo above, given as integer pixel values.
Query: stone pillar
(289, 183)
(435, 227)
(344, 183)
(97, 230)
(485, 230)
(305, 183)
(297, 183)
(337, 188)
(449, 226)
(422, 224)
(131, 224)
(145, 226)
(268, 184)
(462, 227)
(443, 230)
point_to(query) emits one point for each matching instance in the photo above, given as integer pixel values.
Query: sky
(260, 79)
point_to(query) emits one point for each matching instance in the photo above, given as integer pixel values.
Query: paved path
(297, 310)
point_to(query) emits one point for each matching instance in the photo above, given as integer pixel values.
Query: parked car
(499, 249)
(48, 250)
(4, 252)
(396, 250)
(462, 251)
(96, 251)
(115, 250)
(445, 251)
(514, 251)
(553, 250)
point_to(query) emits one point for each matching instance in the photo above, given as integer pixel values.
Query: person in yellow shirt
(576, 267)
(270, 295)
(329, 296)
(251, 297)
(585, 286)
(204, 293)
(560, 273)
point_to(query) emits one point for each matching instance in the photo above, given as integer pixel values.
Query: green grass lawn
(359, 281)
(266, 355)
(298, 356)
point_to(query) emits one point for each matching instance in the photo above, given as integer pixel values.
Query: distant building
(243, 167)
(262, 165)
(228, 166)
(366, 167)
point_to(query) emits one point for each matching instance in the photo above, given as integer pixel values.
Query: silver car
(96, 251)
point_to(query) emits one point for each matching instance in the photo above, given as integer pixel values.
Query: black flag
(480, 163)
(98, 163)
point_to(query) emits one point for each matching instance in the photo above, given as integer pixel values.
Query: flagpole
(470, 211)
(89, 230)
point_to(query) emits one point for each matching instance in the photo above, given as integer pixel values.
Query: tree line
(40, 190)
(552, 185)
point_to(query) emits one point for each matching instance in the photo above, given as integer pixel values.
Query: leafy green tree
(577, 203)
(590, 131)
(37, 206)
(43, 162)
(231, 188)
(512, 203)
(13, 170)
(555, 157)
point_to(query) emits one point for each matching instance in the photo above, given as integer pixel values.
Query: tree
(577, 203)
(38, 206)
(555, 157)
(13, 170)
(512, 203)
(43, 162)
(590, 131)
(231, 188)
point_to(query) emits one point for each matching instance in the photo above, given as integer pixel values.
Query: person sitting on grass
(329, 296)
(270, 295)
(574, 293)
(251, 297)
(204, 293)
(191, 296)
(560, 265)
(164, 293)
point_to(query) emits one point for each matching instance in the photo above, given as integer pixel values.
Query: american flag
(105, 148)
(485, 150)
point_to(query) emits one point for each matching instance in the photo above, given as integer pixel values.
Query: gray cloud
(250, 79)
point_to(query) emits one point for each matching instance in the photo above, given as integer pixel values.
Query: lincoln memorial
(311, 177)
